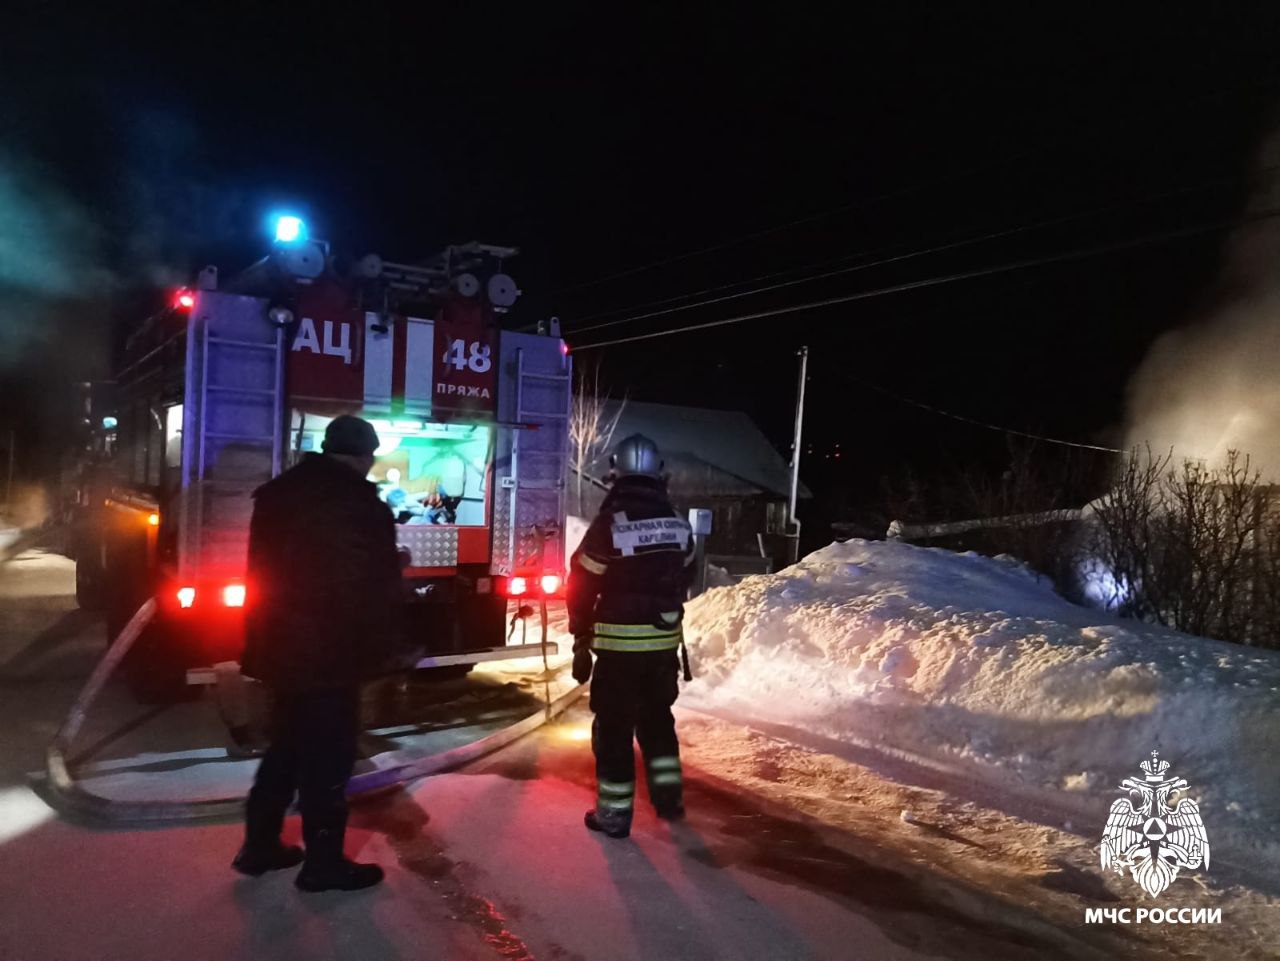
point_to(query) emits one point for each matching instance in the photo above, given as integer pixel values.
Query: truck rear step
(207, 675)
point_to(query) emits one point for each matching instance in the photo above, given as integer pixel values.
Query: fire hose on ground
(64, 784)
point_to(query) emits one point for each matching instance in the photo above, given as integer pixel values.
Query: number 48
(474, 355)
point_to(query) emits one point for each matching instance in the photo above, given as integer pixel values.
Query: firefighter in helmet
(626, 591)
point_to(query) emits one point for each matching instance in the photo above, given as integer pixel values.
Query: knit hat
(350, 435)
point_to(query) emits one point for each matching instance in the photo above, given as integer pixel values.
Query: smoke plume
(49, 258)
(1214, 386)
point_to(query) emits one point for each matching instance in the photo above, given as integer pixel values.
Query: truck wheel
(154, 671)
(89, 592)
(119, 610)
(156, 682)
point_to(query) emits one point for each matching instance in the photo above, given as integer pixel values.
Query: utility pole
(792, 520)
(700, 524)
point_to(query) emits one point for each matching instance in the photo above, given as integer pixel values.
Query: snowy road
(787, 853)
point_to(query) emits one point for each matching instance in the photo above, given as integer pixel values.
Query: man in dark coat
(627, 584)
(322, 615)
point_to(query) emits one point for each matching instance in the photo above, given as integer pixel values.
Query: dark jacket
(324, 600)
(624, 573)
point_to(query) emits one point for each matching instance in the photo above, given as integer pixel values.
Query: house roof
(692, 438)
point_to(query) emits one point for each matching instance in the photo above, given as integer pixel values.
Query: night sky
(136, 147)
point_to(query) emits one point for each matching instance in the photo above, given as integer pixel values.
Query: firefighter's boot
(326, 868)
(612, 813)
(262, 850)
(668, 807)
(615, 824)
(666, 787)
(257, 861)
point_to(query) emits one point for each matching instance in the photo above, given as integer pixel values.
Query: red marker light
(184, 300)
(517, 586)
(186, 596)
(564, 348)
(550, 583)
(233, 595)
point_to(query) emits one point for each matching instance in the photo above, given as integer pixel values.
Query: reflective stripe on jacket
(632, 569)
(635, 637)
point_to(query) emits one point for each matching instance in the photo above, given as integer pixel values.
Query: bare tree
(591, 426)
(1189, 546)
(1026, 507)
(1185, 544)
(1030, 504)
(1266, 579)
(1124, 547)
(1206, 565)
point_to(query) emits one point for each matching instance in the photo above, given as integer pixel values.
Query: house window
(776, 518)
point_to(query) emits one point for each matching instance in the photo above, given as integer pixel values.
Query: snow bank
(976, 664)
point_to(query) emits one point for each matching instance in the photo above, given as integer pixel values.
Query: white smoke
(1214, 386)
(50, 263)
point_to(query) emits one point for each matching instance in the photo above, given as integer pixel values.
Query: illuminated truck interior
(427, 474)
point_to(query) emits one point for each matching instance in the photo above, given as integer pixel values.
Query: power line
(980, 423)
(985, 165)
(778, 228)
(910, 255)
(943, 279)
(727, 286)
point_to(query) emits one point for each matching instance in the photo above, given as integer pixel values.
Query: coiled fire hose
(67, 788)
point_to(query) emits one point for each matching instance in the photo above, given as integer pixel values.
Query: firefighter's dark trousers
(312, 752)
(631, 695)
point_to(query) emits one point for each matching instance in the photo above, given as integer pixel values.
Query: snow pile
(974, 663)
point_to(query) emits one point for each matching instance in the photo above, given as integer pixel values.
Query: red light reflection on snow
(403, 824)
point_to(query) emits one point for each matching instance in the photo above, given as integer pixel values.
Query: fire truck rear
(236, 381)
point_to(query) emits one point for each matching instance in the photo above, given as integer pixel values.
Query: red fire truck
(235, 381)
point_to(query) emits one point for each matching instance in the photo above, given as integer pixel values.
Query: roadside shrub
(1189, 546)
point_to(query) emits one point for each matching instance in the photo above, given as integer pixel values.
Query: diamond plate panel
(430, 546)
(501, 532)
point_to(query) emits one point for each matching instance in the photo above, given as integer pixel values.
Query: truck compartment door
(233, 428)
(532, 457)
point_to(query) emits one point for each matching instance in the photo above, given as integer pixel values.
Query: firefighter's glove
(582, 659)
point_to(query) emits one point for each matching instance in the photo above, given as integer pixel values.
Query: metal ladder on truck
(233, 429)
(537, 482)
